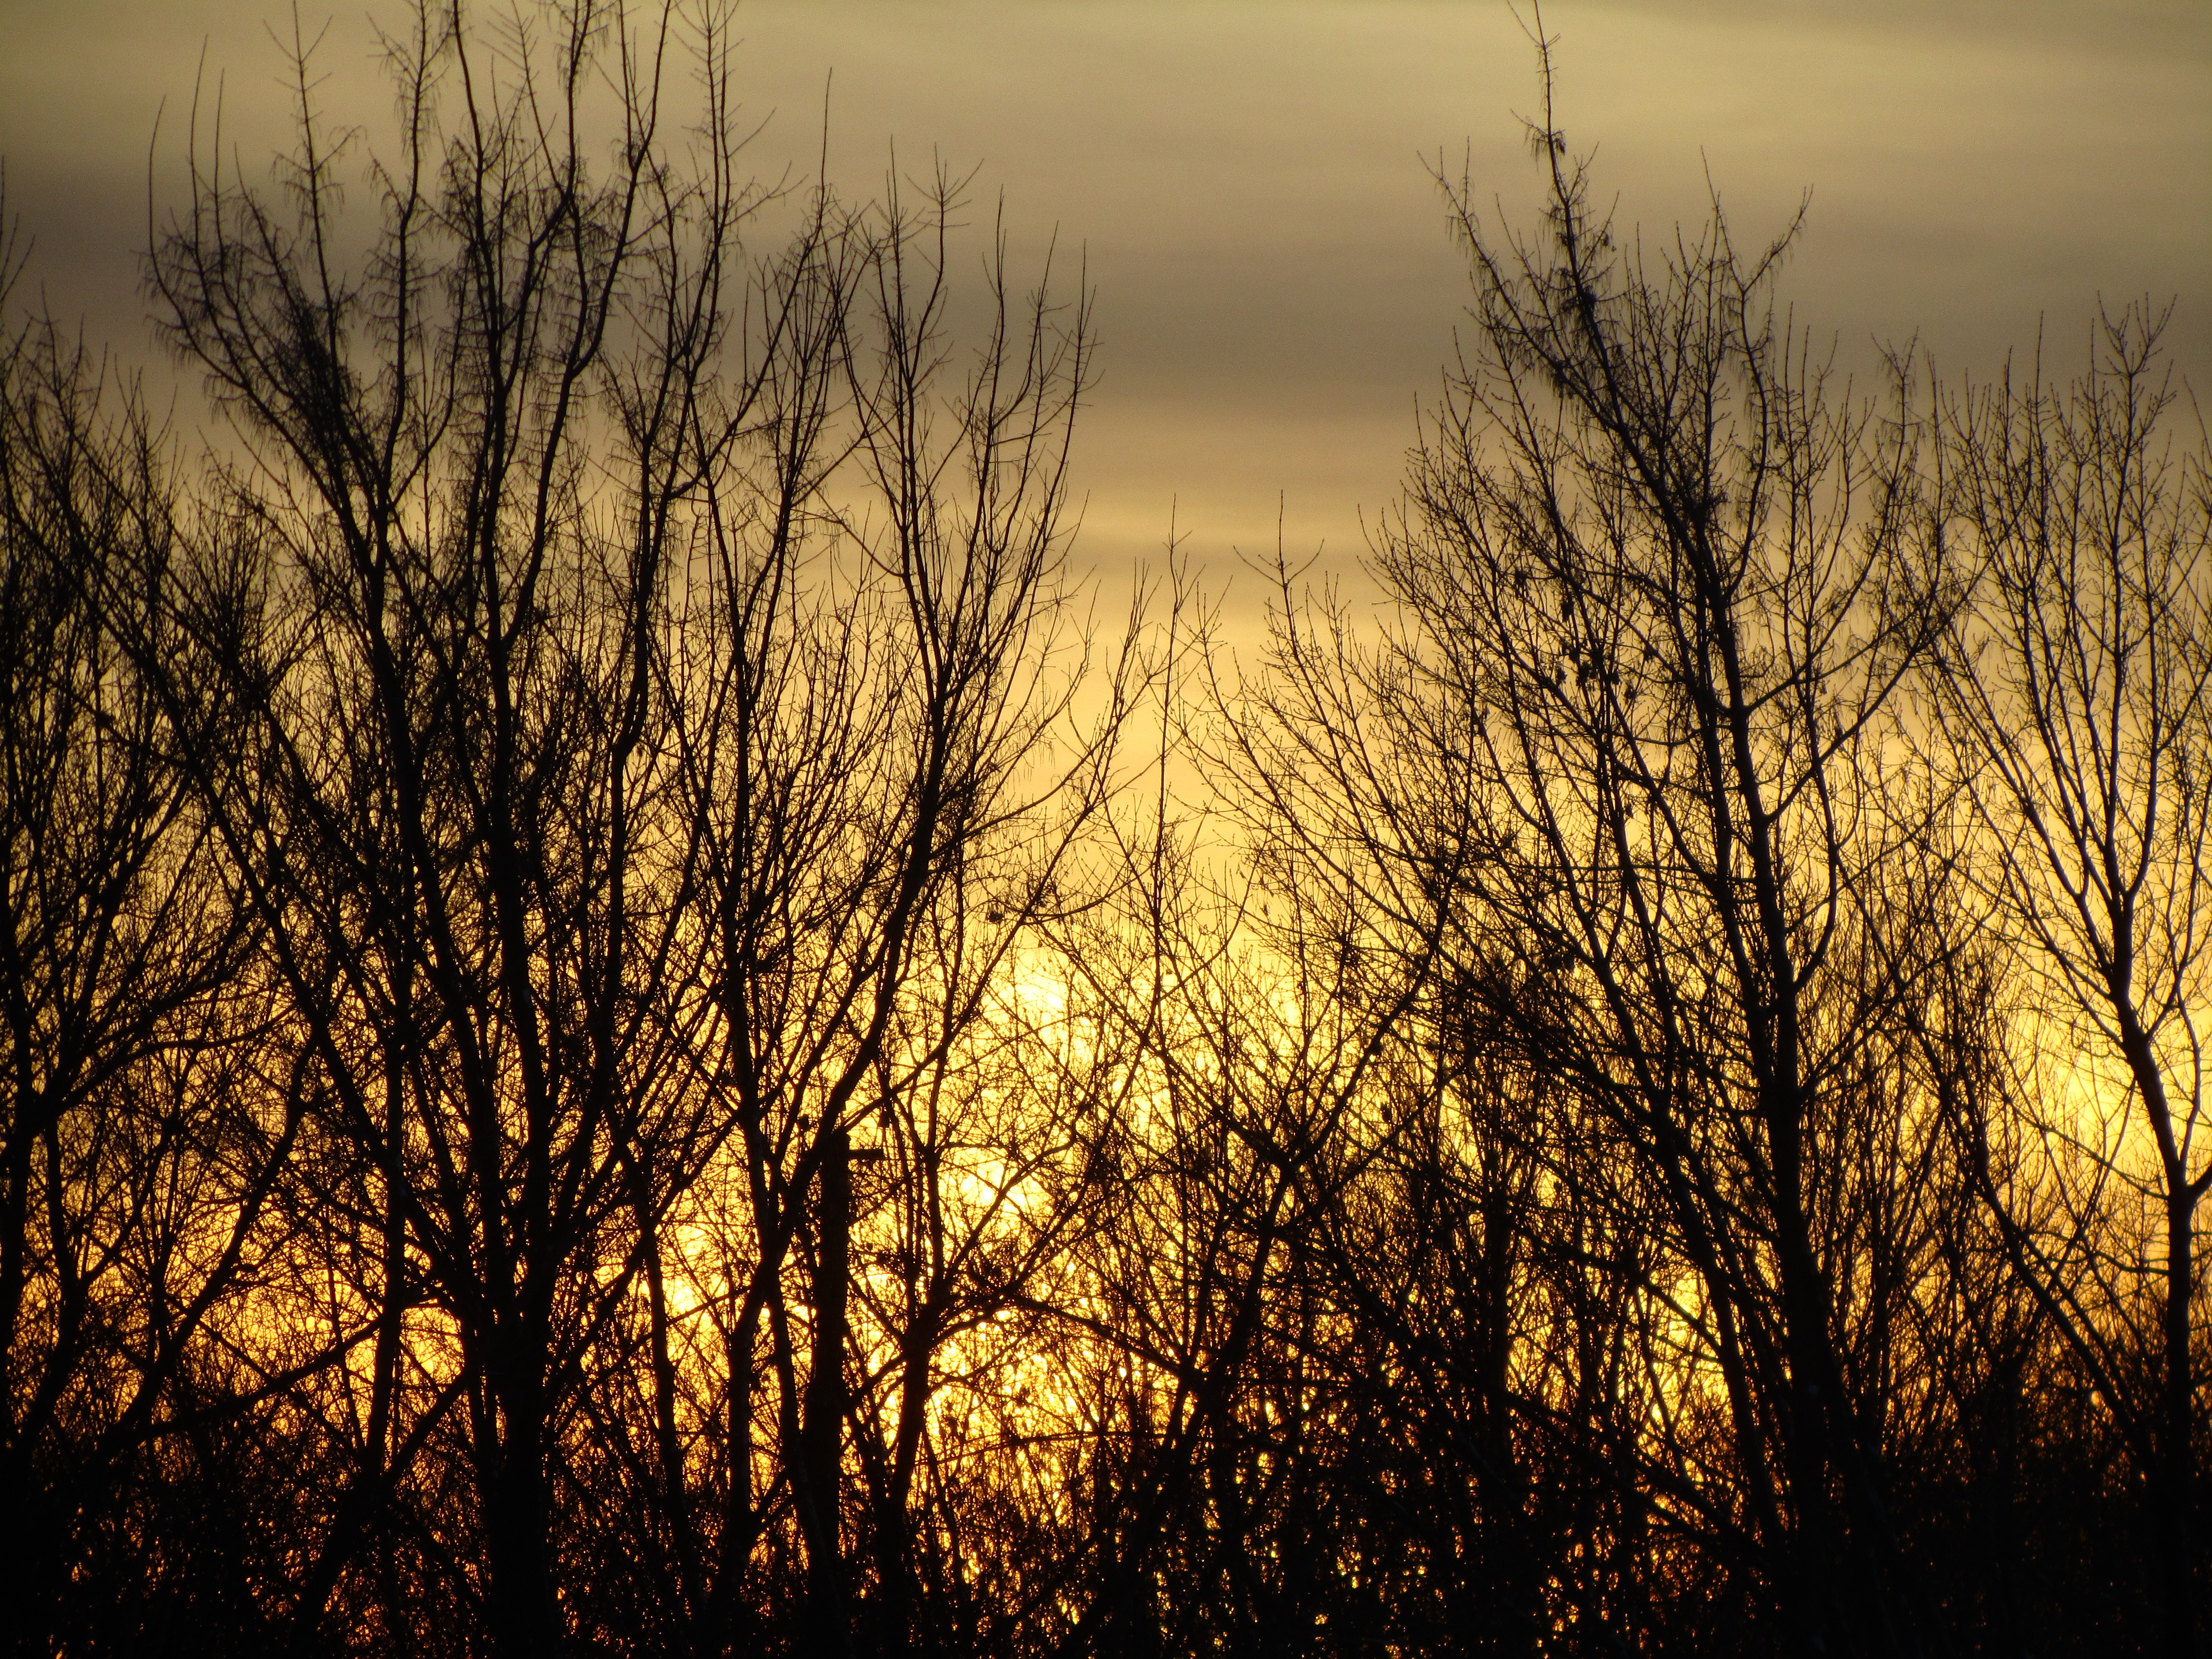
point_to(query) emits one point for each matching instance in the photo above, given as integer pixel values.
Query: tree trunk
(824, 1433)
(524, 1616)
(2175, 1488)
(735, 1622)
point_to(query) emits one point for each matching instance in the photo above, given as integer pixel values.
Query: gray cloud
(1245, 178)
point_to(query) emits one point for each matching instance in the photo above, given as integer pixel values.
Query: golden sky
(1275, 288)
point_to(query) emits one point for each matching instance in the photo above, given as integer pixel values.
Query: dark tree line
(623, 1033)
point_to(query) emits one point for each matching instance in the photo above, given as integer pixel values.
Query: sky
(1247, 185)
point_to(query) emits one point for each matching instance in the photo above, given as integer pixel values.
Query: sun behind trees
(619, 1043)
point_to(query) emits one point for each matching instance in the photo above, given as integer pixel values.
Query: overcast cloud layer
(1245, 181)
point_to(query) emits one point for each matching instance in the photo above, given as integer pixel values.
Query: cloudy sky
(1246, 181)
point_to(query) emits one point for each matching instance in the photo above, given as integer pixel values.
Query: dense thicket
(621, 1036)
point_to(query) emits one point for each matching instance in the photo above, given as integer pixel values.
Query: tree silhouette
(616, 1042)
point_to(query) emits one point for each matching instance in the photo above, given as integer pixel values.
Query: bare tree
(146, 1118)
(661, 665)
(604, 1051)
(1656, 582)
(2072, 707)
(438, 597)
(883, 760)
